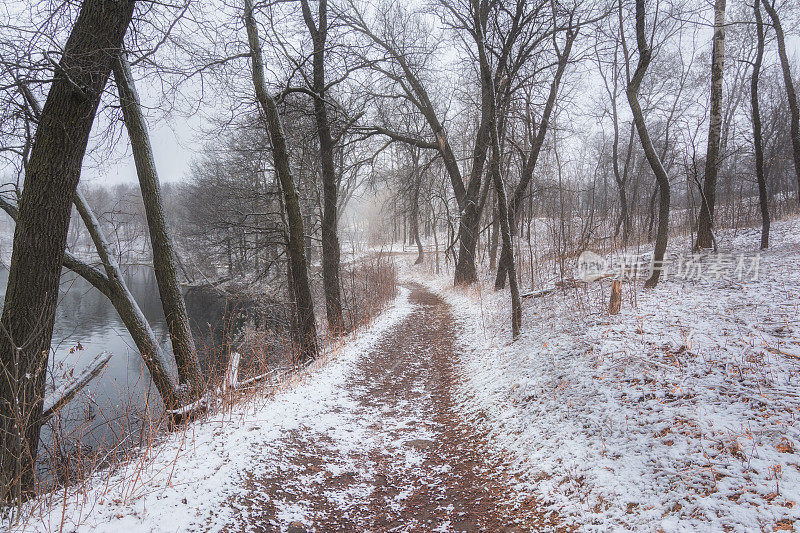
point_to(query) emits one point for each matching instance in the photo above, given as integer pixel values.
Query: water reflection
(86, 324)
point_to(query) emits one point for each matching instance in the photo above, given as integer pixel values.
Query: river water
(113, 404)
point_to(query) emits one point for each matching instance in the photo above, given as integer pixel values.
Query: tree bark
(68, 390)
(164, 260)
(331, 251)
(51, 177)
(615, 300)
(758, 143)
(505, 231)
(645, 54)
(306, 323)
(791, 95)
(705, 222)
(468, 229)
(494, 240)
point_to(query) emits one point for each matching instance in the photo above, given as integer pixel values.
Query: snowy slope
(680, 413)
(184, 483)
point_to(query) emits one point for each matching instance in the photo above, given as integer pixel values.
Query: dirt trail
(421, 468)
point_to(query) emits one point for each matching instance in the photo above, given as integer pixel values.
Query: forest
(374, 265)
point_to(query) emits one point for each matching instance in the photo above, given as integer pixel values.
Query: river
(115, 402)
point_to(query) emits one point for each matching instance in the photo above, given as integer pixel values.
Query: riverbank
(181, 481)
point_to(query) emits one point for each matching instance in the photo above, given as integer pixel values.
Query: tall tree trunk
(190, 374)
(469, 228)
(791, 95)
(505, 232)
(51, 178)
(758, 145)
(330, 236)
(705, 223)
(306, 323)
(651, 213)
(645, 54)
(620, 177)
(417, 240)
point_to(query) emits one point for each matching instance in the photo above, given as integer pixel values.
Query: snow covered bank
(183, 483)
(681, 413)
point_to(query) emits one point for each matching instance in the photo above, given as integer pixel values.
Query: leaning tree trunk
(758, 145)
(306, 323)
(653, 159)
(331, 251)
(791, 95)
(116, 290)
(705, 222)
(494, 239)
(505, 232)
(164, 259)
(112, 284)
(51, 178)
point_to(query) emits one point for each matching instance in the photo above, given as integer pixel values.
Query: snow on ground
(185, 482)
(678, 414)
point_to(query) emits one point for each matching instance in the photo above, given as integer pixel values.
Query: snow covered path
(395, 456)
(368, 439)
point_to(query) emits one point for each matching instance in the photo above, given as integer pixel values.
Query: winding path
(417, 467)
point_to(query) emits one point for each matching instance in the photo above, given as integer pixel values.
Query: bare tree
(164, 259)
(298, 267)
(391, 41)
(645, 55)
(791, 94)
(529, 166)
(705, 222)
(758, 143)
(51, 178)
(330, 234)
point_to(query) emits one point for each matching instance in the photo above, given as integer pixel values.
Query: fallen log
(67, 391)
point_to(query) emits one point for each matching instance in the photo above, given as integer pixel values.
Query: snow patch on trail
(680, 413)
(186, 482)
